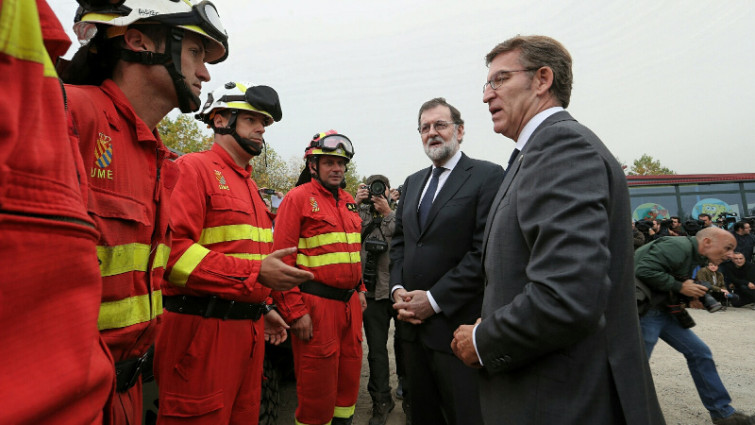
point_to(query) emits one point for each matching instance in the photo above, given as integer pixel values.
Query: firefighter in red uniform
(209, 352)
(55, 368)
(143, 58)
(325, 313)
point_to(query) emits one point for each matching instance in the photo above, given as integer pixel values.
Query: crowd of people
(112, 246)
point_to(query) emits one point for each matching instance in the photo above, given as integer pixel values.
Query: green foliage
(184, 134)
(646, 166)
(277, 174)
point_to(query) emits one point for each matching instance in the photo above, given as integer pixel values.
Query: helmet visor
(205, 16)
(332, 142)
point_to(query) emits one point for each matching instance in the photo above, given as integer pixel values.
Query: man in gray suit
(436, 270)
(559, 339)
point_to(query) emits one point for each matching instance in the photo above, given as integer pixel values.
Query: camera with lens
(375, 248)
(710, 303)
(726, 219)
(376, 188)
(667, 223)
(693, 226)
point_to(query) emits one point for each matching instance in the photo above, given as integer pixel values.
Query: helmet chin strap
(187, 100)
(246, 144)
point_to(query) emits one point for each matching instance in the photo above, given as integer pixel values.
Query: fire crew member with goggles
(209, 352)
(55, 368)
(325, 313)
(143, 58)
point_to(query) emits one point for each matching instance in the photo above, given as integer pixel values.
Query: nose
(202, 73)
(487, 94)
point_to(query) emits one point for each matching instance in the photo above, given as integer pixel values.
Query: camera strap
(375, 223)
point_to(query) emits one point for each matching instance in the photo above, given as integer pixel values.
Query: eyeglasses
(332, 142)
(439, 126)
(502, 76)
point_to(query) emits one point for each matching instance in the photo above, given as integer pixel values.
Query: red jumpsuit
(327, 233)
(209, 370)
(130, 180)
(55, 368)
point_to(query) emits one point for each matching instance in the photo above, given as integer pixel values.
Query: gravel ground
(728, 333)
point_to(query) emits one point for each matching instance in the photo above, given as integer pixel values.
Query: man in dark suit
(559, 339)
(436, 274)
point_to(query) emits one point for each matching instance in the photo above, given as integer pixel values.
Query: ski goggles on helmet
(333, 142)
(203, 15)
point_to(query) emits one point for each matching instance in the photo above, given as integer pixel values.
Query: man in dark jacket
(665, 266)
(740, 276)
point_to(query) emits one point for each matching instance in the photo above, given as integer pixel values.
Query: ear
(218, 120)
(137, 41)
(543, 80)
(460, 133)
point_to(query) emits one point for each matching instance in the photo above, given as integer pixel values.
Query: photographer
(378, 223)
(665, 266)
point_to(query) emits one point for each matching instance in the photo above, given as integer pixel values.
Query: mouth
(494, 110)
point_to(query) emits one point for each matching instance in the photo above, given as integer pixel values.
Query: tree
(184, 134)
(646, 166)
(277, 174)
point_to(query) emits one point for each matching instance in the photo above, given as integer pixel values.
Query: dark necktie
(511, 160)
(427, 200)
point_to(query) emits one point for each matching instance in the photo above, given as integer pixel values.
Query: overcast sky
(668, 78)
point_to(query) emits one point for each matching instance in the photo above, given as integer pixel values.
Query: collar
(229, 162)
(533, 124)
(451, 163)
(122, 104)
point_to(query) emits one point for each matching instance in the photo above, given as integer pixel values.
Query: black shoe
(381, 407)
(737, 418)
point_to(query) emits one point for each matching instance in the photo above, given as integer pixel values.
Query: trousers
(377, 322)
(660, 324)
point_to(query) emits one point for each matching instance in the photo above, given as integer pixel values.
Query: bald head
(716, 244)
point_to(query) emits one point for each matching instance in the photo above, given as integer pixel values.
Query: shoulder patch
(352, 207)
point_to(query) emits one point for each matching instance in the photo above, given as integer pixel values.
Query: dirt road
(730, 335)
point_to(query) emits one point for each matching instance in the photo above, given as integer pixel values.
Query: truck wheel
(270, 395)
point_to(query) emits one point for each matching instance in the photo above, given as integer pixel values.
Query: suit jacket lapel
(413, 198)
(505, 185)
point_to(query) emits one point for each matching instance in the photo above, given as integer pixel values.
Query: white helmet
(237, 96)
(242, 96)
(202, 19)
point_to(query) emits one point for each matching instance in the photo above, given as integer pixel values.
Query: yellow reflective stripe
(161, 256)
(130, 311)
(21, 34)
(344, 412)
(329, 238)
(131, 257)
(327, 259)
(235, 232)
(248, 256)
(187, 263)
(123, 258)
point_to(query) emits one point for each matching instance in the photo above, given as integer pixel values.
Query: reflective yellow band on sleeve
(328, 259)
(21, 34)
(328, 239)
(130, 311)
(296, 422)
(235, 232)
(344, 412)
(185, 265)
(245, 256)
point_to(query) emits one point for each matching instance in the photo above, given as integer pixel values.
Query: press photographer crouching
(378, 223)
(664, 266)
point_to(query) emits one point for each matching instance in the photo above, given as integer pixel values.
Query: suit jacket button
(419, 244)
